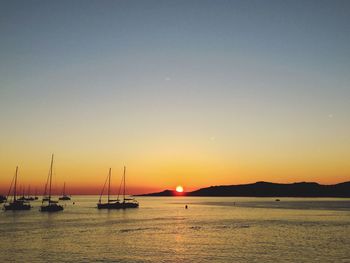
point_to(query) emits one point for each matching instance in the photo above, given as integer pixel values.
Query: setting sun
(179, 189)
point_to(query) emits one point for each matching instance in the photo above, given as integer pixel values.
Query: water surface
(212, 229)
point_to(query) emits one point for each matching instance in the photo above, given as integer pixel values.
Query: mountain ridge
(267, 189)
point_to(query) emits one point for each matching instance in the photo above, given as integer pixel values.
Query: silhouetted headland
(266, 189)
(163, 193)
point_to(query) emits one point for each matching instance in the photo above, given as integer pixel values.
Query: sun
(179, 189)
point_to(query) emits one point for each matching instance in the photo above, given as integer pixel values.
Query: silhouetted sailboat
(64, 196)
(22, 198)
(52, 206)
(36, 196)
(28, 197)
(2, 198)
(16, 204)
(116, 204)
(45, 195)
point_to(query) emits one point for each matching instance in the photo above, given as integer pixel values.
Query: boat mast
(50, 178)
(109, 183)
(14, 189)
(64, 189)
(124, 186)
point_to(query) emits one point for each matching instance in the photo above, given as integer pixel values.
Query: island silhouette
(267, 189)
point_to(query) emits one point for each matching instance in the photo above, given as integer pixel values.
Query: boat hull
(64, 198)
(117, 205)
(26, 199)
(2, 198)
(17, 206)
(51, 208)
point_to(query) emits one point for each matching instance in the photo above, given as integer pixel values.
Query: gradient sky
(195, 93)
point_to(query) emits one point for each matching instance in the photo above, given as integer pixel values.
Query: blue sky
(258, 78)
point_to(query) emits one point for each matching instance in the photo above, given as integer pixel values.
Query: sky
(192, 93)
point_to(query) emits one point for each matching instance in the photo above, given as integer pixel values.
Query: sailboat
(64, 196)
(52, 206)
(16, 204)
(45, 195)
(2, 198)
(36, 196)
(29, 197)
(22, 198)
(116, 204)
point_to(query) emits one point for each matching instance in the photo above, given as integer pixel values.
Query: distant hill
(163, 193)
(266, 189)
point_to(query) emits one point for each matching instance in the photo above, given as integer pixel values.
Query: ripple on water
(163, 232)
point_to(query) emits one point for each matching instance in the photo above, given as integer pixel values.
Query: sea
(211, 229)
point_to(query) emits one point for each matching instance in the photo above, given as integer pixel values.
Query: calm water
(161, 230)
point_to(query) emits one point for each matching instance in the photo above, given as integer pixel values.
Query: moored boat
(51, 206)
(16, 204)
(2, 198)
(64, 196)
(116, 204)
(28, 197)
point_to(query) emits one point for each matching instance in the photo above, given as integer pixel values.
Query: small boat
(64, 196)
(28, 197)
(22, 198)
(52, 206)
(2, 199)
(16, 204)
(277, 200)
(116, 204)
(36, 196)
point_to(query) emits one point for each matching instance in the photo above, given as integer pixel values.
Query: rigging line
(109, 185)
(103, 188)
(50, 179)
(8, 194)
(47, 181)
(120, 187)
(124, 185)
(15, 188)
